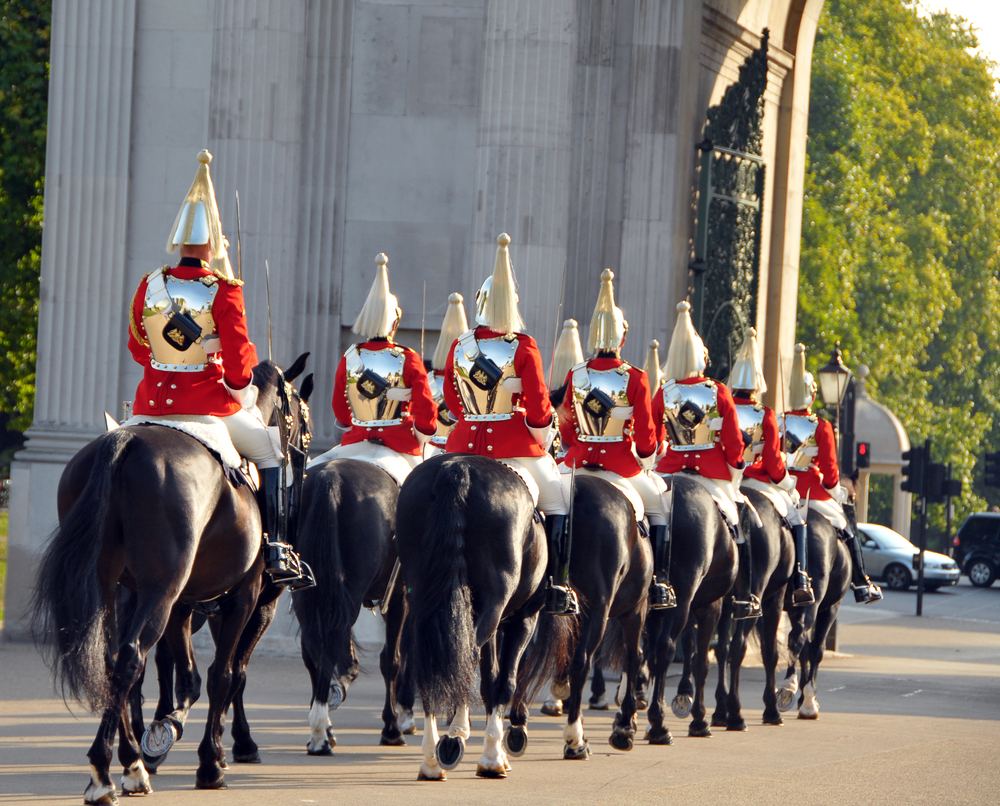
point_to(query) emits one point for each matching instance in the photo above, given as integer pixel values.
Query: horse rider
(382, 400)
(811, 447)
(188, 330)
(495, 388)
(697, 418)
(453, 325)
(765, 470)
(606, 424)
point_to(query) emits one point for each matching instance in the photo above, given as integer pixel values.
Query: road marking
(838, 688)
(913, 692)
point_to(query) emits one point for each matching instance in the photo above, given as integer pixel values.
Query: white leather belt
(491, 418)
(686, 448)
(619, 438)
(376, 423)
(181, 367)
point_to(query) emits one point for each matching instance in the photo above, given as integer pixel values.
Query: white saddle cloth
(612, 478)
(397, 465)
(830, 510)
(208, 430)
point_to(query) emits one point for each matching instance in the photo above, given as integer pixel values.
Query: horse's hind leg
(575, 742)
(802, 619)
(723, 653)
(708, 618)
(684, 699)
(598, 687)
(623, 733)
(321, 739)
(809, 705)
(737, 654)
(662, 643)
(768, 632)
(390, 667)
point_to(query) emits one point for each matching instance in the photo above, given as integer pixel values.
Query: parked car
(977, 548)
(891, 557)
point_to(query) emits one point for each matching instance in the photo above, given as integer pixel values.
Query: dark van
(977, 548)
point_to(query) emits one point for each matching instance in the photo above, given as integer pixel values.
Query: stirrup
(803, 592)
(744, 610)
(866, 594)
(661, 596)
(561, 601)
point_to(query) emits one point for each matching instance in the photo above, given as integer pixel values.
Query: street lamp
(833, 381)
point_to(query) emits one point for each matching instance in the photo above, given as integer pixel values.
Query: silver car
(890, 557)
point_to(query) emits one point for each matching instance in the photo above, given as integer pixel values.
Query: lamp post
(836, 387)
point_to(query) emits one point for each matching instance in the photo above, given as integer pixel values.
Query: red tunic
(161, 392)
(823, 474)
(502, 439)
(713, 463)
(769, 464)
(614, 456)
(419, 411)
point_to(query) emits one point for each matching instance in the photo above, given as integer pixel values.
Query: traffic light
(913, 473)
(992, 478)
(934, 483)
(953, 488)
(863, 458)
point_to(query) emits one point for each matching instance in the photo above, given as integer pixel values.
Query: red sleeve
(774, 462)
(341, 408)
(136, 330)
(422, 405)
(451, 398)
(732, 437)
(658, 424)
(231, 321)
(643, 431)
(826, 459)
(534, 392)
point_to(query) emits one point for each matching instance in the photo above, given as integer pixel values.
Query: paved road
(910, 714)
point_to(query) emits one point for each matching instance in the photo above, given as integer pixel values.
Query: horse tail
(547, 658)
(441, 639)
(69, 618)
(325, 612)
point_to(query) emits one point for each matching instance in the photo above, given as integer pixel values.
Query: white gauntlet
(838, 494)
(246, 397)
(787, 483)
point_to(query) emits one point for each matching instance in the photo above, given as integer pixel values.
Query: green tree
(24, 85)
(902, 221)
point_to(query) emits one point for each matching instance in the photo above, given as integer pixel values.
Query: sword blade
(267, 284)
(239, 241)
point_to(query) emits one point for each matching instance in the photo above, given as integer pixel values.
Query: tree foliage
(24, 84)
(902, 220)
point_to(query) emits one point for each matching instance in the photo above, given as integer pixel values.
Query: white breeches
(252, 439)
(830, 510)
(646, 492)
(397, 465)
(552, 500)
(782, 501)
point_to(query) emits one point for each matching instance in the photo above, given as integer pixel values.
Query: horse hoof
(515, 740)
(484, 771)
(719, 721)
(337, 695)
(659, 736)
(322, 750)
(551, 708)
(785, 699)
(681, 705)
(580, 753)
(560, 690)
(407, 724)
(773, 720)
(699, 730)
(641, 703)
(739, 725)
(392, 741)
(247, 757)
(152, 764)
(600, 704)
(449, 751)
(808, 715)
(100, 795)
(621, 740)
(217, 782)
(423, 776)
(159, 737)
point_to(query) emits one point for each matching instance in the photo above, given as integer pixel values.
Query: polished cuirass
(600, 403)
(751, 420)
(486, 395)
(691, 415)
(195, 297)
(798, 440)
(375, 388)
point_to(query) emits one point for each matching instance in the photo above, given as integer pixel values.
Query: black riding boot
(661, 592)
(745, 604)
(802, 594)
(865, 591)
(281, 563)
(560, 599)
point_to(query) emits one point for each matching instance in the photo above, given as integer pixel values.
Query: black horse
(830, 571)
(345, 534)
(474, 558)
(610, 570)
(702, 570)
(773, 554)
(152, 508)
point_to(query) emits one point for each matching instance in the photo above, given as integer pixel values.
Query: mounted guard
(453, 325)
(765, 469)
(495, 388)
(382, 399)
(188, 330)
(606, 425)
(697, 418)
(811, 447)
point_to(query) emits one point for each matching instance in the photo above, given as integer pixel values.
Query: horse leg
(801, 619)
(662, 644)
(389, 665)
(321, 738)
(684, 699)
(737, 654)
(723, 652)
(135, 779)
(598, 687)
(493, 762)
(768, 632)
(623, 733)
(430, 770)
(809, 706)
(575, 742)
(164, 660)
(708, 618)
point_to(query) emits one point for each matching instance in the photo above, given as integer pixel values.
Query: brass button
(489, 430)
(160, 383)
(489, 447)
(173, 386)
(474, 427)
(170, 402)
(151, 403)
(470, 444)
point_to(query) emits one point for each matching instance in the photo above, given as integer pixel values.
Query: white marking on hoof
(810, 705)
(407, 722)
(98, 793)
(430, 770)
(786, 693)
(460, 724)
(573, 734)
(493, 763)
(560, 689)
(552, 707)
(600, 704)
(319, 722)
(135, 780)
(622, 688)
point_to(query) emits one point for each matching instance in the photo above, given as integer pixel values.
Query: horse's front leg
(389, 665)
(770, 620)
(737, 654)
(430, 770)
(623, 734)
(723, 654)
(802, 619)
(575, 745)
(708, 618)
(684, 699)
(662, 643)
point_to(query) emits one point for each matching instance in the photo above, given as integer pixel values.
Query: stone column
(523, 152)
(83, 289)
